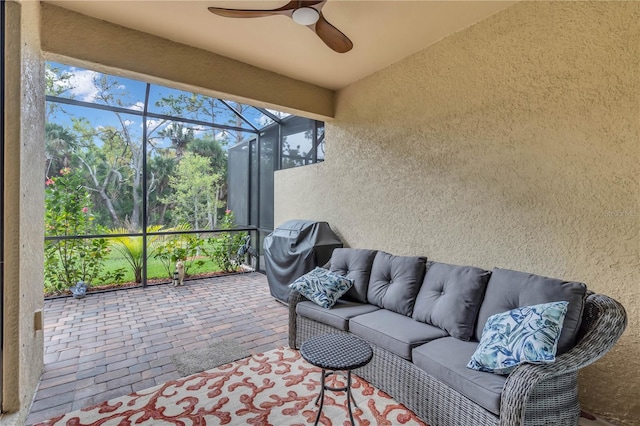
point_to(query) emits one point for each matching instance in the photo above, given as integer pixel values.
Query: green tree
(208, 146)
(57, 83)
(111, 155)
(194, 185)
(160, 168)
(113, 160)
(207, 109)
(107, 167)
(180, 136)
(68, 213)
(60, 145)
(111, 92)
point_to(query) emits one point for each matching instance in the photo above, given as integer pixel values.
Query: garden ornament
(247, 248)
(79, 290)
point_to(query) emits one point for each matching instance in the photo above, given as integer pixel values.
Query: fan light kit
(305, 16)
(302, 13)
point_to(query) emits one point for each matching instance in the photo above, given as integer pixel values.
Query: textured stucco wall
(24, 209)
(111, 48)
(514, 143)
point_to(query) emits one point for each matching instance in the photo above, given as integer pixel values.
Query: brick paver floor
(111, 344)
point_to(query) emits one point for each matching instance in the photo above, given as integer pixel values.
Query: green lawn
(116, 270)
(155, 269)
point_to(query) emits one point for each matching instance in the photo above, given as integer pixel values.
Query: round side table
(334, 353)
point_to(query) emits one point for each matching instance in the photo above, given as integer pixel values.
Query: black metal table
(336, 352)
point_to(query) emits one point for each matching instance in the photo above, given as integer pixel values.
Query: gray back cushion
(395, 282)
(450, 298)
(355, 264)
(511, 289)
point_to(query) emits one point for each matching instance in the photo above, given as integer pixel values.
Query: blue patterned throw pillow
(529, 334)
(322, 286)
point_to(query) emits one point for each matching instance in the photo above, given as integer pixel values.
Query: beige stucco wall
(115, 49)
(514, 143)
(24, 210)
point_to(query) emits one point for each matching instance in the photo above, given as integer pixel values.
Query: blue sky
(81, 86)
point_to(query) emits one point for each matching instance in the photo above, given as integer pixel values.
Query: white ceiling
(382, 32)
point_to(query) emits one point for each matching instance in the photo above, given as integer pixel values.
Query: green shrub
(68, 213)
(131, 248)
(225, 245)
(184, 247)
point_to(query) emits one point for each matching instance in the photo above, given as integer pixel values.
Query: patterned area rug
(275, 388)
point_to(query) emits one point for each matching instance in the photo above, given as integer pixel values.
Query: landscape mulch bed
(152, 281)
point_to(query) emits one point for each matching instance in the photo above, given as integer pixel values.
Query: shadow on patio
(111, 344)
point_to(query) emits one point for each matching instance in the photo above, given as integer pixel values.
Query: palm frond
(131, 247)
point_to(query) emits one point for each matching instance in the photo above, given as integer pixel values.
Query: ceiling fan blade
(287, 9)
(332, 37)
(241, 13)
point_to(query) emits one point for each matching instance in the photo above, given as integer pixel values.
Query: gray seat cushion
(394, 332)
(338, 316)
(395, 282)
(446, 360)
(450, 298)
(355, 264)
(508, 290)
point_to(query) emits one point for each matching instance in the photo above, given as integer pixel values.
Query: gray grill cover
(293, 249)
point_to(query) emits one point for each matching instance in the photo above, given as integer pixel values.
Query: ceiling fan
(307, 13)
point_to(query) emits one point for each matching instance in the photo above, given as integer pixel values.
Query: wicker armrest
(604, 320)
(294, 299)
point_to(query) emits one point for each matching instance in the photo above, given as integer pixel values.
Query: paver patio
(114, 343)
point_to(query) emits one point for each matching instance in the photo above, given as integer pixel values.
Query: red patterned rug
(275, 388)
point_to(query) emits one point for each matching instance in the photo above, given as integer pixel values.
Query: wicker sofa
(410, 309)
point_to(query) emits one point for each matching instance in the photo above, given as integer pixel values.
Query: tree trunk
(136, 197)
(109, 205)
(209, 213)
(137, 152)
(215, 215)
(101, 190)
(197, 223)
(195, 213)
(163, 211)
(150, 189)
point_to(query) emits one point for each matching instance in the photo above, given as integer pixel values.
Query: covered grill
(293, 249)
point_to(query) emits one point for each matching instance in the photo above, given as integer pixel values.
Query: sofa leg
(587, 415)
